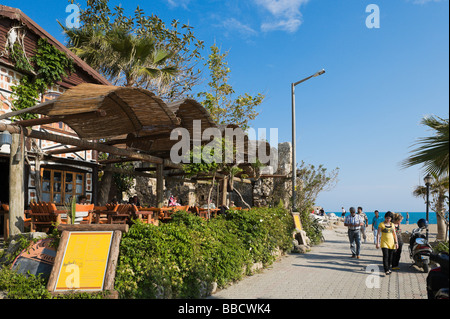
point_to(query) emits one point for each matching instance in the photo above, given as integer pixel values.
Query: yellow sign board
(85, 260)
(298, 223)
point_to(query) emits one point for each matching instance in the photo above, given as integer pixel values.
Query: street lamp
(428, 180)
(294, 162)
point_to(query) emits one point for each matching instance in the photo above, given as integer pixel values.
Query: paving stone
(328, 272)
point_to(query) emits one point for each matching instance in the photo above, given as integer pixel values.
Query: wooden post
(16, 185)
(224, 191)
(160, 185)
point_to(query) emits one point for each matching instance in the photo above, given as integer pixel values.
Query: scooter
(419, 248)
(438, 278)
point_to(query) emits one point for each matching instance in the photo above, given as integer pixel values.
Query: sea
(413, 216)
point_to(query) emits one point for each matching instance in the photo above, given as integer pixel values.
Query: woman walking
(387, 240)
(398, 232)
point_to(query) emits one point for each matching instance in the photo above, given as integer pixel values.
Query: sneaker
(357, 257)
(353, 256)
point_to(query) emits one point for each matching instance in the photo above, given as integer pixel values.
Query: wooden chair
(86, 212)
(149, 215)
(203, 212)
(44, 216)
(169, 211)
(98, 217)
(115, 214)
(5, 213)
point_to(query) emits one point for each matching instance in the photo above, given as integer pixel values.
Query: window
(59, 186)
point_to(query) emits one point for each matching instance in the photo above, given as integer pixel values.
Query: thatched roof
(133, 118)
(126, 109)
(189, 110)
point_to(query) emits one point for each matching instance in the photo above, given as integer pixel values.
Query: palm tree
(439, 193)
(126, 59)
(123, 57)
(433, 152)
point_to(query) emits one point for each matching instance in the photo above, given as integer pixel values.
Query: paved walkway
(328, 272)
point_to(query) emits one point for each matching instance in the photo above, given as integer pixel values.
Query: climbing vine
(50, 66)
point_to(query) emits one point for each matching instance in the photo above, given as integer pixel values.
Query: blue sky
(362, 115)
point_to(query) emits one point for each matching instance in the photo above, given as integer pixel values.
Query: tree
(311, 182)
(439, 194)
(219, 100)
(174, 49)
(122, 56)
(433, 151)
(136, 51)
(200, 165)
(210, 159)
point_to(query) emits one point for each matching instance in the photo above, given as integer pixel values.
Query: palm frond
(433, 151)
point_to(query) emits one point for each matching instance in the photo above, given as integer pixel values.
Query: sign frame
(111, 258)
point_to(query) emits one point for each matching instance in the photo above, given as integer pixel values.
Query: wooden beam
(117, 160)
(160, 185)
(109, 142)
(60, 118)
(88, 145)
(129, 172)
(43, 104)
(137, 139)
(16, 186)
(66, 150)
(92, 145)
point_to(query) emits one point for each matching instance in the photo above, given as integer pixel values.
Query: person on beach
(343, 212)
(387, 240)
(407, 219)
(398, 232)
(377, 219)
(354, 223)
(366, 223)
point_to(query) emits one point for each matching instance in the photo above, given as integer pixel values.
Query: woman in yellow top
(388, 242)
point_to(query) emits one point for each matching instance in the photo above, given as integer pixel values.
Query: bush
(181, 259)
(311, 226)
(19, 286)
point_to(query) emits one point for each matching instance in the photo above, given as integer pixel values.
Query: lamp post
(294, 162)
(428, 180)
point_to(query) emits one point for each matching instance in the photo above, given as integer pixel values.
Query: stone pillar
(283, 186)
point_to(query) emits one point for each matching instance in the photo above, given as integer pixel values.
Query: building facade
(60, 175)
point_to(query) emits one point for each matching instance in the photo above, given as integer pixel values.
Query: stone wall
(269, 191)
(265, 191)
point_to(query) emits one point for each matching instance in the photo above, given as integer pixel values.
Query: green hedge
(181, 259)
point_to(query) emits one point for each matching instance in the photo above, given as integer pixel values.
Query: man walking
(375, 222)
(354, 223)
(365, 223)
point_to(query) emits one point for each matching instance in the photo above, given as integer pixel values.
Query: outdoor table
(149, 215)
(203, 212)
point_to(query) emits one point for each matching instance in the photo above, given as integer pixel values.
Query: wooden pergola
(131, 123)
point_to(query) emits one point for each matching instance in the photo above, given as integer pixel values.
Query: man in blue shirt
(375, 221)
